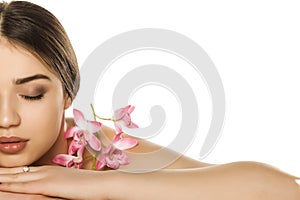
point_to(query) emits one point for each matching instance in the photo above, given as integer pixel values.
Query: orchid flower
(113, 155)
(78, 139)
(69, 160)
(122, 117)
(83, 132)
(112, 158)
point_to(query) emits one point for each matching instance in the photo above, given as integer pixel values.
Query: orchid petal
(117, 137)
(122, 117)
(78, 135)
(119, 113)
(112, 163)
(93, 141)
(100, 162)
(130, 109)
(132, 125)
(75, 146)
(116, 159)
(71, 132)
(118, 128)
(79, 118)
(63, 159)
(122, 158)
(80, 152)
(93, 126)
(126, 119)
(125, 143)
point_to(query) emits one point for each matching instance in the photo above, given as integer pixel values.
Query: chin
(9, 161)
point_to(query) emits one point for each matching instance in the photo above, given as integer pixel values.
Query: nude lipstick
(12, 145)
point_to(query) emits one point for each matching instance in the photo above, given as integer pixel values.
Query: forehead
(15, 61)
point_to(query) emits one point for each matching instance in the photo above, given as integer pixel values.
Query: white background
(254, 45)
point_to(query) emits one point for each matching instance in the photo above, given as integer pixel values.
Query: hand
(53, 181)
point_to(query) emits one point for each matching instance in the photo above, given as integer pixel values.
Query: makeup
(33, 93)
(12, 145)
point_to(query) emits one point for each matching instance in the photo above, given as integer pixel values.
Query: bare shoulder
(146, 147)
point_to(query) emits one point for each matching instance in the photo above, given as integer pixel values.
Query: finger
(20, 177)
(15, 170)
(35, 173)
(21, 187)
(35, 188)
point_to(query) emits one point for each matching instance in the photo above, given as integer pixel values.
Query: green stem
(93, 111)
(94, 164)
(101, 118)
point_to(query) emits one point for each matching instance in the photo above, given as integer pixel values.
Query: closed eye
(32, 98)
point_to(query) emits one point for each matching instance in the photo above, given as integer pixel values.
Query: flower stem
(101, 118)
(94, 164)
(93, 111)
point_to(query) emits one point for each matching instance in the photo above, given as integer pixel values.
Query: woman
(39, 79)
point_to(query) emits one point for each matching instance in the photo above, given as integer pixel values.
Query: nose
(9, 117)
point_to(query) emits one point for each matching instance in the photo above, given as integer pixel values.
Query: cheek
(42, 120)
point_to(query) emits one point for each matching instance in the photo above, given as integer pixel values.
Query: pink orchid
(78, 139)
(123, 143)
(112, 158)
(69, 160)
(113, 155)
(83, 133)
(122, 116)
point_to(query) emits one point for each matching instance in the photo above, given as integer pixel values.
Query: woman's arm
(240, 180)
(183, 179)
(234, 181)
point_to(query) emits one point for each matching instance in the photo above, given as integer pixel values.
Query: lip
(12, 145)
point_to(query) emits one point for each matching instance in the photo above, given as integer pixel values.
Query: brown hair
(37, 30)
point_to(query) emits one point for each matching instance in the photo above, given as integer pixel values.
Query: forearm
(245, 181)
(175, 184)
(234, 181)
(160, 185)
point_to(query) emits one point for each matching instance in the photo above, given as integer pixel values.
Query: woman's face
(32, 107)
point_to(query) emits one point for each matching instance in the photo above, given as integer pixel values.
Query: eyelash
(33, 98)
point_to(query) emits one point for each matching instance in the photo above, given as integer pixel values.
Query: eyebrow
(31, 78)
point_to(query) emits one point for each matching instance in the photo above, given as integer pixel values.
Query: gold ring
(26, 169)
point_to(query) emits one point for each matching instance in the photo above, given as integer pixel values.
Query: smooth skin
(42, 122)
(239, 180)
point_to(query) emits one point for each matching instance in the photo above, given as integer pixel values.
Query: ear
(68, 102)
